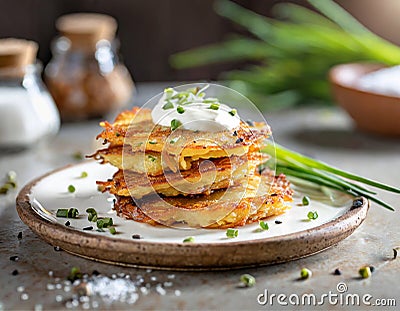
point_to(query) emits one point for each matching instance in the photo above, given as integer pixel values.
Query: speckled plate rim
(189, 256)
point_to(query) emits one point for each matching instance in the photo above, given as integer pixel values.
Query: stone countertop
(324, 133)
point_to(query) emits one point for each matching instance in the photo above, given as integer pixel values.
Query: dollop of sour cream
(191, 110)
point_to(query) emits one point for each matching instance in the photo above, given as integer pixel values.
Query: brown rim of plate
(189, 256)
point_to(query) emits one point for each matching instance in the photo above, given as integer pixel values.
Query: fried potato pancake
(136, 128)
(221, 209)
(203, 177)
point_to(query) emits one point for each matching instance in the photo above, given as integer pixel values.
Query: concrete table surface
(324, 133)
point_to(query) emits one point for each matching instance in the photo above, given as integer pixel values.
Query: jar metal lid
(17, 53)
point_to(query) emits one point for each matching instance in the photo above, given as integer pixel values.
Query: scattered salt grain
(160, 290)
(168, 284)
(38, 307)
(171, 276)
(51, 273)
(50, 287)
(20, 289)
(59, 298)
(24, 296)
(177, 292)
(153, 278)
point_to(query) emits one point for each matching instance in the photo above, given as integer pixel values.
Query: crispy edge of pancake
(133, 127)
(274, 203)
(200, 178)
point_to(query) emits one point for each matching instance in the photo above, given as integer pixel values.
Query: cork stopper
(84, 30)
(17, 53)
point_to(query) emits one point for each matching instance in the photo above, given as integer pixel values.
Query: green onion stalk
(291, 54)
(301, 167)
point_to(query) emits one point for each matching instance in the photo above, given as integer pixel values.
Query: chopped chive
(312, 215)
(151, 158)
(365, 272)
(174, 140)
(112, 230)
(264, 225)
(151, 142)
(175, 124)
(168, 105)
(74, 274)
(247, 280)
(180, 109)
(232, 233)
(189, 240)
(210, 100)
(117, 134)
(233, 112)
(62, 212)
(77, 155)
(73, 212)
(104, 223)
(92, 214)
(305, 200)
(71, 189)
(84, 174)
(305, 273)
(214, 106)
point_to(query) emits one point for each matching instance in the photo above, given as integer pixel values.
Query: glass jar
(27, 111)
(85, 76)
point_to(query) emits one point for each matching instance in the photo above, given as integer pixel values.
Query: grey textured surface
(324, 133)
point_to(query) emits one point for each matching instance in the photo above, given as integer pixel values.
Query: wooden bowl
(372, 112)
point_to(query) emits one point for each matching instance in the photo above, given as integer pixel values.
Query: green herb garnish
(175, 124)
(62, 212)
(74, 274)
(180, 109)
(232, 233)
(168, 105)
(92, 214)
(300, 168)
(11, 182)
(77, 155)
(71, 189)
(84, 175)
(67, 213)
(305, 200)
(233, 112)
(189, 240)
(112, 230)
(151, 142)
(305, 273)
(312, 215)
(174, 140)
(214, 106)
(104, 223)
(152, 158)
(264, 225)
(247, 280)
(365, 272)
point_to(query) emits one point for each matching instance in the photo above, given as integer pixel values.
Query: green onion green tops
(67, 213)
(152, 158)
(312, 215)
(247, 280)
(71, 189)
(112, 230)
(104, 223)
(92, 214)
(365, 272)
(188, 240)
(84, 175)
(232, 233)
(180, 109)
(175, 124)
(168, 105)
(305, 200)
(214, 106)
(305, 273)
(233, 112)
(264, 225)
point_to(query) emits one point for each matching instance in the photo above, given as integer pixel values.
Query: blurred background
(151, 30)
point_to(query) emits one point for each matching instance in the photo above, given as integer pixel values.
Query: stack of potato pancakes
(179, 177)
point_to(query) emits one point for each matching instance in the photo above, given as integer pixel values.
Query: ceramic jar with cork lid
(85, 76)
(27, 111)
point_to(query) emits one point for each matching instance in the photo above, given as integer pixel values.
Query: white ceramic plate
(38, 202)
